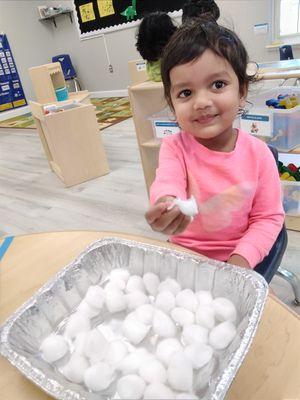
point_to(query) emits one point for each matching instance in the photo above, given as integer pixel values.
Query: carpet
(109, 111)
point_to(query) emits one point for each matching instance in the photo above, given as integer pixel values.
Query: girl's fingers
(155, 212)
(165, 220)
(183, 225)
(172, 228)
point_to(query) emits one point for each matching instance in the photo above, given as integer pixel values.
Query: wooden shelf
(147, 98)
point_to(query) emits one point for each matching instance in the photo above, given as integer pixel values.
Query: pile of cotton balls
(162, 343)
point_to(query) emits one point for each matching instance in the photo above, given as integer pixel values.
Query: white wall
(34, 42)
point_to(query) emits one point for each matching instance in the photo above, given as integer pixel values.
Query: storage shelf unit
(72, 142)
(146, 99)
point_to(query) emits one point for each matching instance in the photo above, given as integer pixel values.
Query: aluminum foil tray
(22, 334)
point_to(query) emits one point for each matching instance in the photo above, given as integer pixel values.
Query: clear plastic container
(291, 197)
(280, 127)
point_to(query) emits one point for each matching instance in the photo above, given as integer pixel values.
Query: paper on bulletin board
(87, 12)
(105, 7)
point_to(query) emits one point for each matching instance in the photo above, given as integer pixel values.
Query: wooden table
(270, 370)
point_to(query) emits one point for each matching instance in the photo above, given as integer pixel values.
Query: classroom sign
(11, 91)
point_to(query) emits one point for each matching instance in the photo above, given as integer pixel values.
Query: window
(287, 20)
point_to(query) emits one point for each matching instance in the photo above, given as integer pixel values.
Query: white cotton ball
(187, 396)
(114, 285)
(163, 326)
(224, 309)
(53, 348)
(75, 369)
(131, 387)
(204, 297)
(198, 354)
(187, 207)
(193, 334)
(182, 316)
(169, 284)
(134, 330)
(180, 373)
(143, 355)
(116, 351)
(158, 391)
(153, 371)
(187, 299)
(151, 282)
(85, 309)
(95, 296)
(203, 375)
(135, 282)
(135, 299)
(144, 313)
(166, 349)
(77, 323)
(205, 316)
(79, 343)
(115, 301)
(95, 345)
(165, 301)
(222, 335)
(99, 376)
(130, 363)
(119, 274)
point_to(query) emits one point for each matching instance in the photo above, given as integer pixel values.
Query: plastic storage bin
(280, 127)
(164, 123)
(291, 198)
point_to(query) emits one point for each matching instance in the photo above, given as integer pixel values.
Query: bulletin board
(96, 17)
(11, 91)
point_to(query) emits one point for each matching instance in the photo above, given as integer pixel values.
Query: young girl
(154, 32)
(231, 174)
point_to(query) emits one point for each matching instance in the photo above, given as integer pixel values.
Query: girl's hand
(235, 259)
(169, 222)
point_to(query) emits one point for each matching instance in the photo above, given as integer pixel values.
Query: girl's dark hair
(192, 39)
(200, 8)
(154, 32)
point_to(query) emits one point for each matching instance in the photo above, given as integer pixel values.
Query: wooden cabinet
(146, 99)
(72, 142)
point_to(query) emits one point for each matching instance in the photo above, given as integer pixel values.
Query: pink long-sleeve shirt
(238, 195)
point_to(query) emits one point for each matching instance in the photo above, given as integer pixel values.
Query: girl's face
(206, 97)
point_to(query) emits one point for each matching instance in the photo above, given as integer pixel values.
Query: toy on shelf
(289, 173)
(283, 101)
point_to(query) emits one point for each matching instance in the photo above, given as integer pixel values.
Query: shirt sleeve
(170, 177)
(266, 217)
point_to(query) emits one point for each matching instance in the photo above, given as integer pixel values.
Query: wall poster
(96, 17)
(11, 91)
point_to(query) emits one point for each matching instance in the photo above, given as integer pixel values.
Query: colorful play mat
(109, 111)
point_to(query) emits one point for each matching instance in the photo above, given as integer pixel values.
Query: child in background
(231, 174)
(200, 8)
(154, 32)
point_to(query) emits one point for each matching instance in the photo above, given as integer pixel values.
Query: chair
(286, 52)
(271, 263)
(68, 69)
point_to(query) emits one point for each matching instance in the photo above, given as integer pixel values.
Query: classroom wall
(34, 42)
